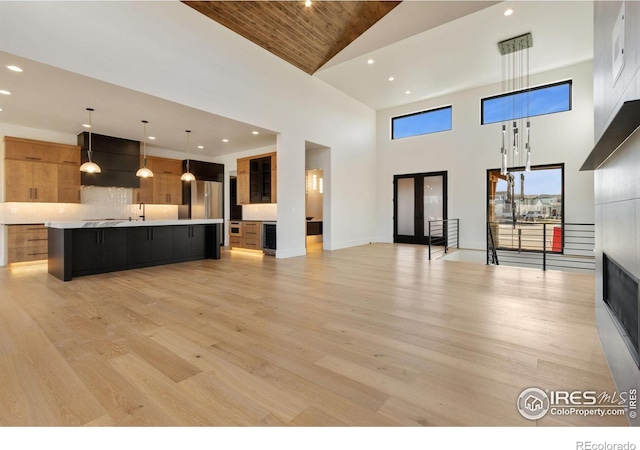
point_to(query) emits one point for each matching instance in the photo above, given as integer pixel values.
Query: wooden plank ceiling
(306, 37)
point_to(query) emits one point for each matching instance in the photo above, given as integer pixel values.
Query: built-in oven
(235, 228)
(269, 238)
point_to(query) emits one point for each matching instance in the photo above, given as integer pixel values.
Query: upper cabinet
(38, 171)
(165, 187)
(257, 179)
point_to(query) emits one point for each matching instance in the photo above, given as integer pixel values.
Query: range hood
(118, 158)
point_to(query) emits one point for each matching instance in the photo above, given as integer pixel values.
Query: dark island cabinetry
(189, 242)
(85, 251)
(149, 246)
(98, 249)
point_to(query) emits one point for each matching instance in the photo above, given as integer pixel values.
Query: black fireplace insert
(620, 289)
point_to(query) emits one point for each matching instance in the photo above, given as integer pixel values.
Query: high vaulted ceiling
(305, 36)
(431, 48)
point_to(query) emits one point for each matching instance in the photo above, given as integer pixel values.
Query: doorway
(317, 197)
(418, 199)
(314, 198)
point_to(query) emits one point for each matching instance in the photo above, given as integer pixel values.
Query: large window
(423, 122)
(548, 99)
(520, 203)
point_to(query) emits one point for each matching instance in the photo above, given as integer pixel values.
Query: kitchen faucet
(143, 216)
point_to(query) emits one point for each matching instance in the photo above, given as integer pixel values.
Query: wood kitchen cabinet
(97, 249)
(189, 242)
(68, 183)
(245, 234)
(257, 179)
(38, 171)
(26, 243)
(149, 246)
(31, 181)
(165, 187)
(242, 181)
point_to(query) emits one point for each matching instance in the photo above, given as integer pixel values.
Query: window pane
(421, 123)
(519, 206)
(544, 100)
(433, 203)
(406, 206)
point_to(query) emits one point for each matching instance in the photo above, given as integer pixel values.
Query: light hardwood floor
(368, 336)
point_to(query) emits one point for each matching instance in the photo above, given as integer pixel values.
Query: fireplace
(620, 294)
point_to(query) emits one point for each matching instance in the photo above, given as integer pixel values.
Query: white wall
(469, 149)
(213, 69)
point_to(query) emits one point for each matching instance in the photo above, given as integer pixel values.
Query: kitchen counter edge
(132, 223)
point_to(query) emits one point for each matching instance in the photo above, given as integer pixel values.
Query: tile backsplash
(98, 203)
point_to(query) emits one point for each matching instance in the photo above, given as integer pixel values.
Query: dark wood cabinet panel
(97, 249)
(86, 251)
(260, 180)
(189, 242)
(149, 245)
(161, 248)
(118, 158)
(198, 247)
(205, 171)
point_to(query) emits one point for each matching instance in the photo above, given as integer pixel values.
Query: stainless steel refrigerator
(206, 201)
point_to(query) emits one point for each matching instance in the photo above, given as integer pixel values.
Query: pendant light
(90, 166)
(516, 138)
(188, 176)
(144, 171)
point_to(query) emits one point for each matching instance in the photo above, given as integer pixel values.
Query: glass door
(418, 199)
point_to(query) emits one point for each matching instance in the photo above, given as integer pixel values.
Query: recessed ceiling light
(86, 125)
(225, 140)
(370, 61)
(391, 78)
(200, 146)
(255, 132)
(153, 138)
(307, 3)
(508, 12)
(3, 92)
(0, 109)
(14, 68)
(407, 92)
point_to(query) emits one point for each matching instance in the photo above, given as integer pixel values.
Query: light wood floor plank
(367, 336)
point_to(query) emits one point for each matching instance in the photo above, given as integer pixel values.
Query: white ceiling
(458, 51)
(49, 98)
(462, 53)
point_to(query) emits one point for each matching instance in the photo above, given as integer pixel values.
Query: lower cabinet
(149, 246)
(250, 235)
(26, 243)
(98, 248)
(189, 242)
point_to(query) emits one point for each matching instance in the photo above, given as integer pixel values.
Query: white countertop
(129, 223)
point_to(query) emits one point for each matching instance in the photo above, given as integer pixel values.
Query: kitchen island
(90, 247)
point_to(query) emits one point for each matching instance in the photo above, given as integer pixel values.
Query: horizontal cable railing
(549, 245)
(443, 236)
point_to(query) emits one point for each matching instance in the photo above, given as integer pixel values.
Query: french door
(417, 199)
